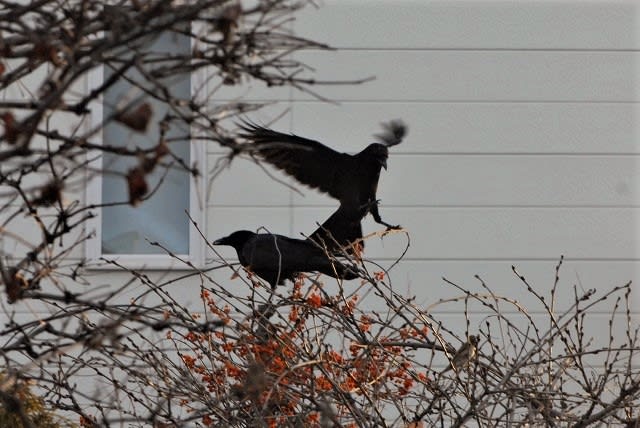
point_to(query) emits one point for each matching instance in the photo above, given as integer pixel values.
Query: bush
(22, 408)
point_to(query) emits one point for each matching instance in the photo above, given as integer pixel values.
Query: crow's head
(236, 239)
(392, 134)
(378, 153)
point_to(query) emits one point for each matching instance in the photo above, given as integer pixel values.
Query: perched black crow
(275, 258)
(352, 179)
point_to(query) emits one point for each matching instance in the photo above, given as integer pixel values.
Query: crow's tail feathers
(341, 231)
(393, 132)
(338, 270)
(348, 273)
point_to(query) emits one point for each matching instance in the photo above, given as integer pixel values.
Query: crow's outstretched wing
(308, 161)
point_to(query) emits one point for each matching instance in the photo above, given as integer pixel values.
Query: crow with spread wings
(351, 179)
(275, 258)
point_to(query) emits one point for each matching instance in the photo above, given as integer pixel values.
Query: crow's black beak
(221, 241)
(384, 164)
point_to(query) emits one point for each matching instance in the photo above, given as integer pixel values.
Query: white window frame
(197, 195)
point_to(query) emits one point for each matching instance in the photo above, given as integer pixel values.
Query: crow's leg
(376, 215)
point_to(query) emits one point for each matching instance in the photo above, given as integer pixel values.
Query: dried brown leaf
(162, 149)
(228, 21)
(137, 119)
(50, 193)
(15, 284)
(148, 164)
(137, 184)
(10, 127)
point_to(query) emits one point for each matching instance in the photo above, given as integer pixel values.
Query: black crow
(275, 258)
(352, 179)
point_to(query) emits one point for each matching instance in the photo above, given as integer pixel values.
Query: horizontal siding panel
(245, 183)
(22, 234)
(476, 127)
(497, 233)
(457, 76)
(475, 76)
(444, 180)
(27, 87)
(419, 279)
(247, 90)
(422, 282)
(222, 221)
(422, 279)
(72, 192)
(595, 328)
(183, 287)
(472, 24)
(277, 116)
(419, 180)
(64, 123)
(29, 310)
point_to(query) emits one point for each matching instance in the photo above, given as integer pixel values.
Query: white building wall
(522, 145)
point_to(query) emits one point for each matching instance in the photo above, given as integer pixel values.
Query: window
(123, 232)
